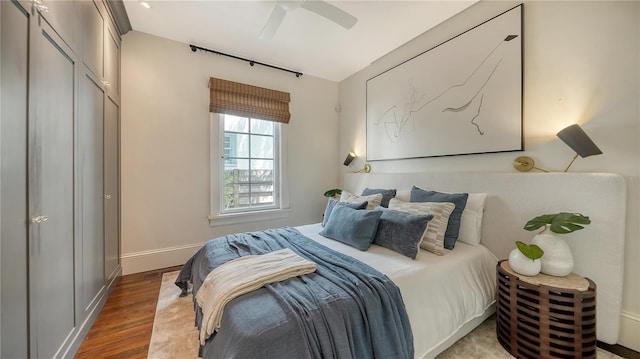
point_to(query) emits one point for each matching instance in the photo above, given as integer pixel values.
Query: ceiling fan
(319, 7)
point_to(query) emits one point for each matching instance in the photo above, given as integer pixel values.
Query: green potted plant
(333, 193)
(558, 260)
(525, 259)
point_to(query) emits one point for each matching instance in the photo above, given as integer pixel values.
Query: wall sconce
(350, 157)
(526, 164)
(575, 137)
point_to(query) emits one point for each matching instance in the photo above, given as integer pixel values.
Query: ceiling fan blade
(272, 25)
(330, 12)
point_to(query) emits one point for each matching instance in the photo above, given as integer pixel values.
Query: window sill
(256, 216)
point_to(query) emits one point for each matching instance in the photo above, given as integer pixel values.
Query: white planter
(523, 265)
(557, 259)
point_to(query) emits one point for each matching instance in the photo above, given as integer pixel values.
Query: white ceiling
(305, 41)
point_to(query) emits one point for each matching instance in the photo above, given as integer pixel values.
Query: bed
(446, 296)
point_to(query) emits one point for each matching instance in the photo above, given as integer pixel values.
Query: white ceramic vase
(557, 259)
(523, 265)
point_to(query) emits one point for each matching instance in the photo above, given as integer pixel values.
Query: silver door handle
(107, 196)
(39, 219)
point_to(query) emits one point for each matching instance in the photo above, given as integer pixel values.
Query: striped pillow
(372, 200)
(433, 237)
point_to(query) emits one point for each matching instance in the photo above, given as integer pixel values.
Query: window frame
(218, 215)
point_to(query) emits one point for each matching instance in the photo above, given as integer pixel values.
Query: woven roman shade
(233, 98)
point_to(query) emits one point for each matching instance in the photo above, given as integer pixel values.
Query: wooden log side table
(545, 316)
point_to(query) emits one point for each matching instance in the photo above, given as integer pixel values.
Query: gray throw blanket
(345, 309)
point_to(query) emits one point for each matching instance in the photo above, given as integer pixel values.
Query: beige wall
(165, 148)
(581, 64)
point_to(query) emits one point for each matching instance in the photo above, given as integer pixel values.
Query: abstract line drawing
(484, 71)
(452, 99)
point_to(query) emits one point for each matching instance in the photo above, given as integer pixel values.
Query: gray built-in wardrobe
(59, 141)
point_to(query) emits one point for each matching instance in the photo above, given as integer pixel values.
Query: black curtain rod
(195, 48)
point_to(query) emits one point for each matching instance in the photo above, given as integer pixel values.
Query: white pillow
(404, 195)
(373, 200)
(471, 220)
(433, 237)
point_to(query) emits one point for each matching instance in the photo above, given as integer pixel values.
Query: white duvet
(441, 293)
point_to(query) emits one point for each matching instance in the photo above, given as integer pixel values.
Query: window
(249, 164)
(247, 138)
(246, 163)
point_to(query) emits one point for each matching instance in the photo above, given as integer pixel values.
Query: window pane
(238, 145)
(249, 148)
(262, 164)
(230, 189)
(262, 178)
(235, 163)
(261, 127)
(261, 197)
(236, 124)
(236, 188)
(230, 197)
(261, 146)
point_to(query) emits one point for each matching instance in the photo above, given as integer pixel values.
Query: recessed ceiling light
(145, 4)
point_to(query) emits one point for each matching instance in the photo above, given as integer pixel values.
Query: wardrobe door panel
(91, 37)
(90, 166)
(61, 14)
(52, 294)
(112, 61)
(112, 197)
(14, 31)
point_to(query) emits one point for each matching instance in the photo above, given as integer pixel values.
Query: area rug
(175, 337)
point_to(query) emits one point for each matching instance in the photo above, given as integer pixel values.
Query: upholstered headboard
(514, 198)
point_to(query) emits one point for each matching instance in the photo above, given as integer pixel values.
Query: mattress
(441, 293)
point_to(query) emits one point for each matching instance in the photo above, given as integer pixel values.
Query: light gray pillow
(353, 227)
(401, 232)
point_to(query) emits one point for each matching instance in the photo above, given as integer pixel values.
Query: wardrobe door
(14, 31)
(112, 198)
(91, 190)
(51, 202)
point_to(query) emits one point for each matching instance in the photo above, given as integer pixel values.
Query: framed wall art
(463, 96)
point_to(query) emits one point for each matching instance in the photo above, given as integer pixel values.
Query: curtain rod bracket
(195, 48)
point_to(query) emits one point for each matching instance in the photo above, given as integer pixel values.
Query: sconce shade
(350, 157)
(575, 137)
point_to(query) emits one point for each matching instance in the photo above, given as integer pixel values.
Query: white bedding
(441, 293)
(515, 198)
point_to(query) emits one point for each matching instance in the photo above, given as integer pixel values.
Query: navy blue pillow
(460, 201)
(401, 232)
(387, 194)
(353, 227)
(332, 203)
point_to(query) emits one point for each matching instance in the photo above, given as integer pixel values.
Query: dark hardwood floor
(123, 328)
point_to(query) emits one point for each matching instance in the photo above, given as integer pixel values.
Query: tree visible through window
(249, 163)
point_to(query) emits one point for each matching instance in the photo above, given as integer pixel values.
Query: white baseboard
(143, 261)
(630, 331)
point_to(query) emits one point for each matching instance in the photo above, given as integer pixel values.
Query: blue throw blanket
(345, 309)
